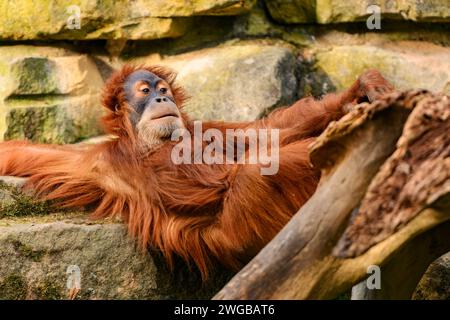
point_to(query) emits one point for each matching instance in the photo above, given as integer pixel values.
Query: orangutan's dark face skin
(156, 114)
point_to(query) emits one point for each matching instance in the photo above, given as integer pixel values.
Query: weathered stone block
(48, 94)
(435, 284)
(332, 11)
(123, 19)
(42, 250)
(407, 65)
(336, 11)
(234, 82)
(292, 11)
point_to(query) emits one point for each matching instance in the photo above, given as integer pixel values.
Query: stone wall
(237, 59)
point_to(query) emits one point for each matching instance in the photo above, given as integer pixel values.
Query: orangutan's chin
(152, 132)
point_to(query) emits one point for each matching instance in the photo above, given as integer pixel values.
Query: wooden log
(298, 263)
(416, 175)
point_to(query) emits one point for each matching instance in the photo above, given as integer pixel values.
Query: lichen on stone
(48, 289)
(28, 252)
(15, 203)
(13, 287)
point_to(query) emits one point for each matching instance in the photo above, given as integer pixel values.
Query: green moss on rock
(292, 11)
(35, 76)
(332, 11)
(50, 120)
(27, 251)
(13, 287)
(49, 95)
(15, 203)
(144, 19)
(48, 290)
(404, 65)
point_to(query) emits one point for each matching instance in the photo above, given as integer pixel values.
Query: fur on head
(117, 119)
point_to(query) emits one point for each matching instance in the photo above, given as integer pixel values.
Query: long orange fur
(203, 213)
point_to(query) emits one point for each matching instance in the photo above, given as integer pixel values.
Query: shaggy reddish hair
(203, 213)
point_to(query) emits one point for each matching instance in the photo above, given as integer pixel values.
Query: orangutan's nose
(161, 107)
(163, 99)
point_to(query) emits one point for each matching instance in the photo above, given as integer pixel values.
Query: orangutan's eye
(163, 90)
(144, 88)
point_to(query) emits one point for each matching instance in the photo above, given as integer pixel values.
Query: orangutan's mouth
(165, 116)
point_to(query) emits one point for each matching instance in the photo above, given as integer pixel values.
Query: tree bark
(303, 261)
